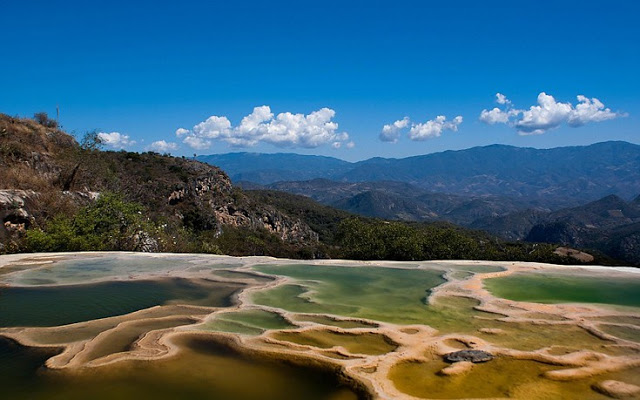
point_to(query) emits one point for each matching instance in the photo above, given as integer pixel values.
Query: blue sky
(147, 69)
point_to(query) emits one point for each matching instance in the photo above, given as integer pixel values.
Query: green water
(248, 322)
(324, 320)
(558, 288)
(500, 378)
(85, 268)
(364, 343)
(203, 370)
(61, 305)
(383, 294)
(242, 275)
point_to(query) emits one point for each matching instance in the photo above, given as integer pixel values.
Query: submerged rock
(617, 389)
(474, 356)
(457, 368)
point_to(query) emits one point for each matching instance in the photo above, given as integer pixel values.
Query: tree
(91, 141)
(43, 119)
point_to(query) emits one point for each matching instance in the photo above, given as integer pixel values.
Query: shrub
(109, 223)
(43, 119)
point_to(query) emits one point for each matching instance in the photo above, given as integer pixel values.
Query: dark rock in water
(475, 356)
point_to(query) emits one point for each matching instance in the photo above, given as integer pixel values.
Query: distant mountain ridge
(550, 178)
(398, 200)
(268, 168)
(610, 225)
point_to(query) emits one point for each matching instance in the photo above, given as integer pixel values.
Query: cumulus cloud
(116, 140)
(419, 131)
(197, 143)
(262, 126)
(590, 110)
(433, 128)
(502, 99)
(181, 132)
(391, 132)
(547, 114)
(162, 146)
(494, 116)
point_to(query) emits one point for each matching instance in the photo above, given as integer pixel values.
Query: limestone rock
(457, 368)
(474, 356)
(617, 389)
(492, 331)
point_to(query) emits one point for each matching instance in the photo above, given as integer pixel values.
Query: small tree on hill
(43, 119)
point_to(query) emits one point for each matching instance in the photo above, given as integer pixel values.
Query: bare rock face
(617, 389)
(474, 356)
(218, 205)
(573, 253)
(145, 243)
(13, 212)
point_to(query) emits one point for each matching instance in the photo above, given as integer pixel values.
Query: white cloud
(181, 132)
(391, 132)
(548, 114)
(502, 99)
(116, 140)
(419, 131)
(590, 110)
(494, 116)
(197, 143)
(213, 128)
(284, 130)
(162, 146)
(433, 128)
(350, 145)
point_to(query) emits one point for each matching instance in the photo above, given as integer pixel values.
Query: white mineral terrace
(415, 343)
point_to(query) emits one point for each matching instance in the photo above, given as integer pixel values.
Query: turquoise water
(559, 288)
(84, 268)
(61, 305)
(383, 294)
(248, 322)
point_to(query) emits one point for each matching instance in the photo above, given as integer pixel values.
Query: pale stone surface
(491, 331)
(457, 368)
(617, 389)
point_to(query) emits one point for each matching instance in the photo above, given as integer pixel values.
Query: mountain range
(548, 178)
(575, 196)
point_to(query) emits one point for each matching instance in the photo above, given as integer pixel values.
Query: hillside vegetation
(61, 194)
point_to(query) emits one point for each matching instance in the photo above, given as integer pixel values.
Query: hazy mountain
(268, 168)
(398, 200)
(565, 175)
(550, 178)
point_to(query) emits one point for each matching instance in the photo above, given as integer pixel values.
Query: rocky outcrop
(13, 213)
(474, 356)
(142, 241)
(220, 205)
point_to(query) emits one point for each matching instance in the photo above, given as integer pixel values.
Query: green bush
(110, 223)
